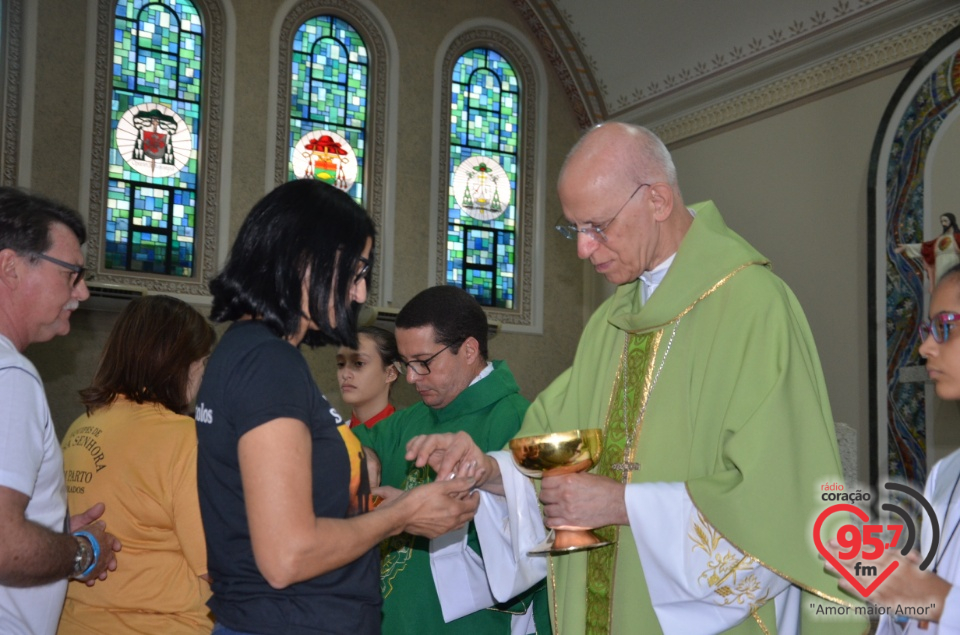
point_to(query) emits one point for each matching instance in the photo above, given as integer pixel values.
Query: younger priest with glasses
(431, 587)
(908, 587)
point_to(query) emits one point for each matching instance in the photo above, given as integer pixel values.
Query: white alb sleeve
(698, 581)
(508, 527)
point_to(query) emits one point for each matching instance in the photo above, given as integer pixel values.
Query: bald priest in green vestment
(702, 372)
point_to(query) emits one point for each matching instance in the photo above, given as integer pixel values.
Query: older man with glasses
(41, 548)
(435, 587)
(717, 433)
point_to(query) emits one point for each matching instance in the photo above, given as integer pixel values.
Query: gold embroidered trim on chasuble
(631, 391)
(624, 424)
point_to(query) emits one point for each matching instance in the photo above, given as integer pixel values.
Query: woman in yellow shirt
(136, 451)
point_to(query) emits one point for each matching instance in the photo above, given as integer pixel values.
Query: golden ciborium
(552, 455)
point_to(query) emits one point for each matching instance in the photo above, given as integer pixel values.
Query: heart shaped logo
(862, 515)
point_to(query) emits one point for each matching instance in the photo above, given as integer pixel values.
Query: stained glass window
(151, 208)
(482, 192)
(328, 93)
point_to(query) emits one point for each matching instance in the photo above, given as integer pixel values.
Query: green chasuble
(491, 411)
(714, 383)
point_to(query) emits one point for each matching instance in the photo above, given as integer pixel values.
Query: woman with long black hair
(284, 492)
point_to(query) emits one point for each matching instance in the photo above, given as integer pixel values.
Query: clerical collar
(483, 373)
(652, 279)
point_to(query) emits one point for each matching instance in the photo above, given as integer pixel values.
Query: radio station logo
(865, 546)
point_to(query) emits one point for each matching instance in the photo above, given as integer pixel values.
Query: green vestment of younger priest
(490, 411)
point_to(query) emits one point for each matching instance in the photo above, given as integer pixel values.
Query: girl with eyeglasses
(367, 374)
(292, 541)
(935, 588)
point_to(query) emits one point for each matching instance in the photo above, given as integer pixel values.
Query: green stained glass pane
(479, 284)
(454, 255)
(189, 68)
(331, 61)
(159, 29)
(480, 247)
(148, 252)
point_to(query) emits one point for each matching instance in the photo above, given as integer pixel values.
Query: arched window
(336, 85)
(489, 141)
(328, 103)
(484, 145)
(152, 200)
(156, 224)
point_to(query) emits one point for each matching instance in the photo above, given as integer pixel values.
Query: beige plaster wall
(795, 185)
(67, 364)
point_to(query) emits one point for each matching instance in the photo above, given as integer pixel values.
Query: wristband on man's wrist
(96, 553)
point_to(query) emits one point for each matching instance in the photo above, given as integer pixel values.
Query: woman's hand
(434, 509)
(385, 494)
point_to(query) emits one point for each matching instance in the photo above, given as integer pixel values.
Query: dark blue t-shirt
(254, 377)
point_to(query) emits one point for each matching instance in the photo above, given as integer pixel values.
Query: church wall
(794, 184)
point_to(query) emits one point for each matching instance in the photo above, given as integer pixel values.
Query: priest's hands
(455, 454)
(582, 501)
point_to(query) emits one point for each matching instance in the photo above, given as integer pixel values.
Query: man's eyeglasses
(422, 366)
(79, 271)
(596, 232)
(364, 270)
(939, 326)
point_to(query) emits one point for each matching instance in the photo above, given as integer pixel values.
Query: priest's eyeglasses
(79, 271)
(597, 232)
(422, 366)
(939, 326)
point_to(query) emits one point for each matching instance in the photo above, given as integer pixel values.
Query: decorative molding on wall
(212, 150)
(527, 316)
(377, 40)
(778, 40)
(823, 51)
(563, 53)
(11, 50)
(843, 68)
